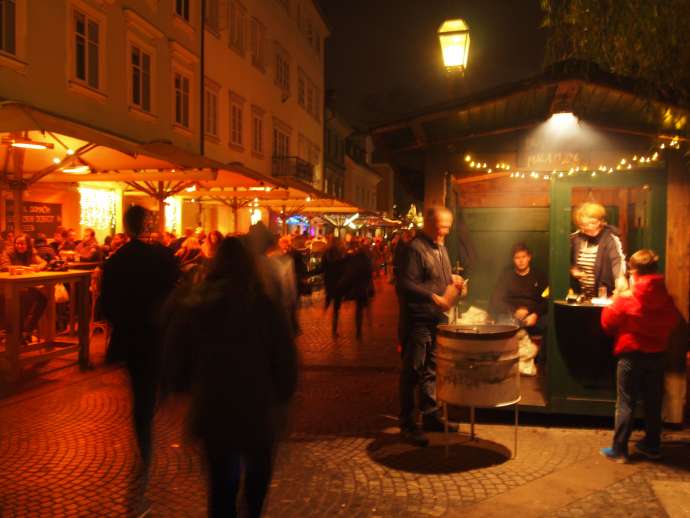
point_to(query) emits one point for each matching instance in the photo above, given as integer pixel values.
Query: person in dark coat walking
(245, 374)
(333, 262)
(356, 282)
(136, 281)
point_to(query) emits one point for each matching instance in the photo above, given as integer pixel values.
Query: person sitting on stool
(519, 293)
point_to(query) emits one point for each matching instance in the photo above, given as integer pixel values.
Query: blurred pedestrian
(245, 376)
(641, 320)
(356, 282)
(136, 281)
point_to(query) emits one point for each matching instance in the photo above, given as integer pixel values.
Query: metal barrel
(477, 366)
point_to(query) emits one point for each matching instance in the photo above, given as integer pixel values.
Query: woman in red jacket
(642, 320)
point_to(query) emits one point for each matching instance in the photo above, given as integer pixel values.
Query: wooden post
(18, 199)
(677, 280)
(284, 217)
(161, 207)
(236, 214)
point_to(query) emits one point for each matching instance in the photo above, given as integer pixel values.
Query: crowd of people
(216, 317)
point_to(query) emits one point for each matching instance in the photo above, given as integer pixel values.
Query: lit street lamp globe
(454, 36)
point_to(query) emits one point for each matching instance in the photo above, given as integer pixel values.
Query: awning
(74, 148)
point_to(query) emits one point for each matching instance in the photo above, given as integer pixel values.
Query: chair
(95, 289)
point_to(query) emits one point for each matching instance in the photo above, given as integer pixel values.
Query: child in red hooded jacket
(641, 320)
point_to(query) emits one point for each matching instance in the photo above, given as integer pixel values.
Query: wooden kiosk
(513, 162)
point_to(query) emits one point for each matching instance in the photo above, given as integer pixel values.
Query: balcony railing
(293, 167)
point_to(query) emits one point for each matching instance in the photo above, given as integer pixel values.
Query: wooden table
(84, 265)
(18, 355)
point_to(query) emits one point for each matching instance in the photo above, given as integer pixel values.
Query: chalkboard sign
(37, 217)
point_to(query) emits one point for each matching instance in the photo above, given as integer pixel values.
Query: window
(211, 113)
(212, 13)
(282, 70)
(257, 131)
(140, 63)
(182, 83)
(238, 15)
(8, 28)
(86, 49)
(182, 9)
(281, 143)
(258, 44)
(236, 115)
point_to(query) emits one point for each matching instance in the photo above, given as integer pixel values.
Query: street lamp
(454, 36)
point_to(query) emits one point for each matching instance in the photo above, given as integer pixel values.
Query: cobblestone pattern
(634, 496)
(68, 450)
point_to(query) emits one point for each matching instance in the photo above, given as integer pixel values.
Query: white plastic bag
(528, 352)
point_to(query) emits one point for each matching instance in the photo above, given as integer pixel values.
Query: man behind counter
(518, 292)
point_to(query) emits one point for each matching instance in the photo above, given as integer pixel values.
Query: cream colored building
(128, 69)
(264, 86)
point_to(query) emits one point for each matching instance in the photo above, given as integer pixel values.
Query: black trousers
(144, 383)
(418, 372)
(225, 471)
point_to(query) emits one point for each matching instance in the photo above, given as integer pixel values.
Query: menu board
(37, 217)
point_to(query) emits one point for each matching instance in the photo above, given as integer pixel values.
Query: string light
(98, 208)
(623, 164)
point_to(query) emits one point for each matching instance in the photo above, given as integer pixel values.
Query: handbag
(61, 293)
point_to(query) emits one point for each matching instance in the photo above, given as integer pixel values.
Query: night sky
(383, 58)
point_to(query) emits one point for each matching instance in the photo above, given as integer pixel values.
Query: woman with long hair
(33, 302)
(211, 244)
(244, 375)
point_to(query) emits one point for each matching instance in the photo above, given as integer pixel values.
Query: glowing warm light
(308, 199)
(77, 169)
(468, 158)
(98, 208)
(563, 119)
(189, 189)
(255, 216)
(56, 160)
(173, 214)
(70, 151)
(26, 143)
(454, 37)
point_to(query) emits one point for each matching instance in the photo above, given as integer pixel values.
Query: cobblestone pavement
(66, 449)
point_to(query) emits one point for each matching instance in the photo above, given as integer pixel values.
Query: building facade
(130, 67)
(264, 86)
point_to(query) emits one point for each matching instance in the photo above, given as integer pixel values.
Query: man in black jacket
(425, 284)
(136, 281)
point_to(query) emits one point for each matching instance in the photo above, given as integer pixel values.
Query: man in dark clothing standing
(519, 292)
(426, 291)
(136, 281)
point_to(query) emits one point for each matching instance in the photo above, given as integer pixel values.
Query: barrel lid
(479, 331)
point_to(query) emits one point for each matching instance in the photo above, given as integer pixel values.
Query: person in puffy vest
(641, 320)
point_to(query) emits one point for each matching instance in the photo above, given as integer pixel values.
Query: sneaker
(646, 451)
(612, 455)
(434, 424)
(415, 437)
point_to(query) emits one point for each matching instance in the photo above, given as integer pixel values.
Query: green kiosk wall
(567, 393)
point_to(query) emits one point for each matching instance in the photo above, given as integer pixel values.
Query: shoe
(435, 424)
(415, 437)
(646, 451)
(611, 455)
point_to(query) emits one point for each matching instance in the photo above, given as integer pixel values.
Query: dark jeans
(638, 373)
(224, 472)
(418, 372)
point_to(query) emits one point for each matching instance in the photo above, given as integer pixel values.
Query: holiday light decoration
(173, 211)
(622, 165)
(98, 208)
